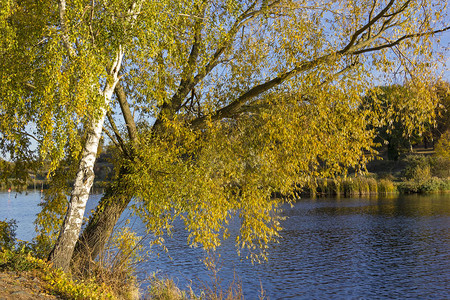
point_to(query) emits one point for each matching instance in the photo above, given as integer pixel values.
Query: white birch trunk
(62, 252)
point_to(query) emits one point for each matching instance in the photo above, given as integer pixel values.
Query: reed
(373, 186)
(385, 186)
(352, 187)
(363, 186)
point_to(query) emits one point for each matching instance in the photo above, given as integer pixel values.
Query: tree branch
(111, 138)
(120, 141)
(65, 32)
(168, 109)
(234, 106)
(126, 113)
(358, 32)
(396, 42)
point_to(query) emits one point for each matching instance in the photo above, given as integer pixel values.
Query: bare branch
(370, 15)
(117, 133)
(396, 42)
(27, 134)
(111, 137)
(357, 33)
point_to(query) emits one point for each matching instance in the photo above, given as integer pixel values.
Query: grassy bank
(53, 282)
(21, 259)
(369, 186)
(414, 173)
(351, 187)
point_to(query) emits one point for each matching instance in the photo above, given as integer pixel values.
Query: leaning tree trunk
(101, 224)
(62, 252)
(116, 198)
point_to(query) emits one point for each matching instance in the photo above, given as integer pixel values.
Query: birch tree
(64, 82)
(70, 230)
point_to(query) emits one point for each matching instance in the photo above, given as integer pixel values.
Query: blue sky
(445, 43)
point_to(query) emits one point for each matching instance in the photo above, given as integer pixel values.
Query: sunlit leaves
(307, 64)
(309, 125)
(236, 168)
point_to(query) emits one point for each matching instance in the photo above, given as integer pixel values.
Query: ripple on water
(331, 249)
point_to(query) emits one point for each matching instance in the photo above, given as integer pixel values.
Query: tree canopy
(225, 103)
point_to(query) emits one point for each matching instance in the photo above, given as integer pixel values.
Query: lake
(369, 248)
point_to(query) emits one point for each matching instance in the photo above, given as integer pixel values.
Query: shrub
(433, 184)
(440, 166)
(57, 282)
(7, 234)
(418, 168)
(409, 187)
(15, 261)
(443, 145)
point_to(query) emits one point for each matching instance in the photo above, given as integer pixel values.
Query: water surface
(395, 248)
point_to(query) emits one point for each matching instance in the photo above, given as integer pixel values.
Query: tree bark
(62, 252)
(101, 224)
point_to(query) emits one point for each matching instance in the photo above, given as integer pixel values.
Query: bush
(57, 282)
(434, 184)
(443, 145)
(418, 168)
(7, 234)
(409, 187)
(431, 185)
(422, 168)
(440, 166)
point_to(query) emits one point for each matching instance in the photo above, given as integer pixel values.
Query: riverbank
(24, 276)
(362, 186)
(419, 172)
(23, 286)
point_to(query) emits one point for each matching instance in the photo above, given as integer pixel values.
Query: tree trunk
(101, 224)
(61, 254)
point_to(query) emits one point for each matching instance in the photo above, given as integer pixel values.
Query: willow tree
(245, 100)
